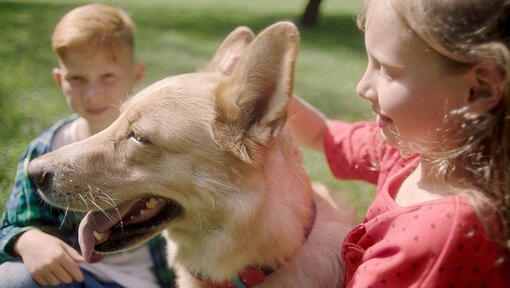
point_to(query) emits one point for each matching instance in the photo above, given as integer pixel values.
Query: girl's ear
(487, 87)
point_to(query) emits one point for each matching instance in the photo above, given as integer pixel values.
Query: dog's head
(181, 148)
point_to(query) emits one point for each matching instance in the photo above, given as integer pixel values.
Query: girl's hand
(307, 124)
(49, 260)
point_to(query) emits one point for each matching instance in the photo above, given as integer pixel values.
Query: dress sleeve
(430, 246)
(354, 150)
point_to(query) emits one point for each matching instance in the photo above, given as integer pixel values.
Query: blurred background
(175, 37)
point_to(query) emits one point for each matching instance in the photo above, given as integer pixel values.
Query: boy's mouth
(97, 111)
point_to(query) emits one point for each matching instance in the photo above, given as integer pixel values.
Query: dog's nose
(39, 175)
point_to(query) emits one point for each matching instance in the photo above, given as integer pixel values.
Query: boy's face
(95, 83)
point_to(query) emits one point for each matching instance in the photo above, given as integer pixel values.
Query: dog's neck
(251, 276)
(269, 234)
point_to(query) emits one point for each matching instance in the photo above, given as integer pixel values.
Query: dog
(206, 159)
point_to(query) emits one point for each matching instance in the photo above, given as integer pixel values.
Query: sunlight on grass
(176, 37)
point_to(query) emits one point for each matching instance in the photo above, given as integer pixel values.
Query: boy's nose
(39, 174)
(94, 92)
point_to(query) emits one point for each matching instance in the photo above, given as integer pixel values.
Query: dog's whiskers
(65, 214)
(93, 201)
(84, 201)
(106, 196)
(108, 200)
(111, 201)
(103, 211)
(218, 183)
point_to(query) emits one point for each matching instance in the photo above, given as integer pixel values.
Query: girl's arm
(307, 124)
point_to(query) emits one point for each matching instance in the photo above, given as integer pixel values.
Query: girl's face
(409, 86)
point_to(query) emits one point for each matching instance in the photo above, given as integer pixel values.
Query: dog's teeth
(132, 217)
(142, 212)
(152, 202)
(98, 236)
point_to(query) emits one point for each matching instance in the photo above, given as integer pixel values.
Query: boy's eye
(76, 79)
(108, 77)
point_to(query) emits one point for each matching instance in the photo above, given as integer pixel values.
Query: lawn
(176, 37)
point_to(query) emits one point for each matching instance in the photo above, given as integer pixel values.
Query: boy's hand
(49, 260)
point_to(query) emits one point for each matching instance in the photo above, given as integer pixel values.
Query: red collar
(248, 278)
(253, 276)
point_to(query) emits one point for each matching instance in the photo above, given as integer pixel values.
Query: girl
(438, 80)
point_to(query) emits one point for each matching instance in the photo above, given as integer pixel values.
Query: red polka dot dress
(437, 243)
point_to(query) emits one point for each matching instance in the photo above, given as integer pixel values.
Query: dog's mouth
(130, 224)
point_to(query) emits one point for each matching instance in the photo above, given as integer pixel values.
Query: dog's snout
(39, 174)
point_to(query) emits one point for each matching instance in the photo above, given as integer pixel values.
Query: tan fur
(219, 148)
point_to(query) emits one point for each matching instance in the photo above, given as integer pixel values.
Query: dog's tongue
(99, 222)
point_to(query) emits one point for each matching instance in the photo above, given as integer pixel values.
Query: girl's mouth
(382, 121)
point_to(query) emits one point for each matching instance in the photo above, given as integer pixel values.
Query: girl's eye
(138, 139)
(387, 73)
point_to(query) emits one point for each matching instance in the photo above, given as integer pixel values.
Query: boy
(95, 48)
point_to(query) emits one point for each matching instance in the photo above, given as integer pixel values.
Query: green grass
(176, 37)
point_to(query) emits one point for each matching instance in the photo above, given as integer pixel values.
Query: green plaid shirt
(26, 210)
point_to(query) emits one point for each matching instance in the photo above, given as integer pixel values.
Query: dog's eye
(138, 139)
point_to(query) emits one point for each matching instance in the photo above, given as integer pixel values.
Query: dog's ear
(230, 50)
(251, 105)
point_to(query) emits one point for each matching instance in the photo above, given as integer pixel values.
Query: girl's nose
(365, 88)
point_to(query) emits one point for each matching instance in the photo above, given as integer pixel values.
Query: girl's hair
(465, 33)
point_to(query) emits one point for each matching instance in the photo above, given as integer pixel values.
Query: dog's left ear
(230, 50)
(251, 105)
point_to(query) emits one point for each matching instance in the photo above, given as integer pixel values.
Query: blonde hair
(465, 33)
(94, 26)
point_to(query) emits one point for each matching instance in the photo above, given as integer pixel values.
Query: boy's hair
(466, 33)
(96, 26)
